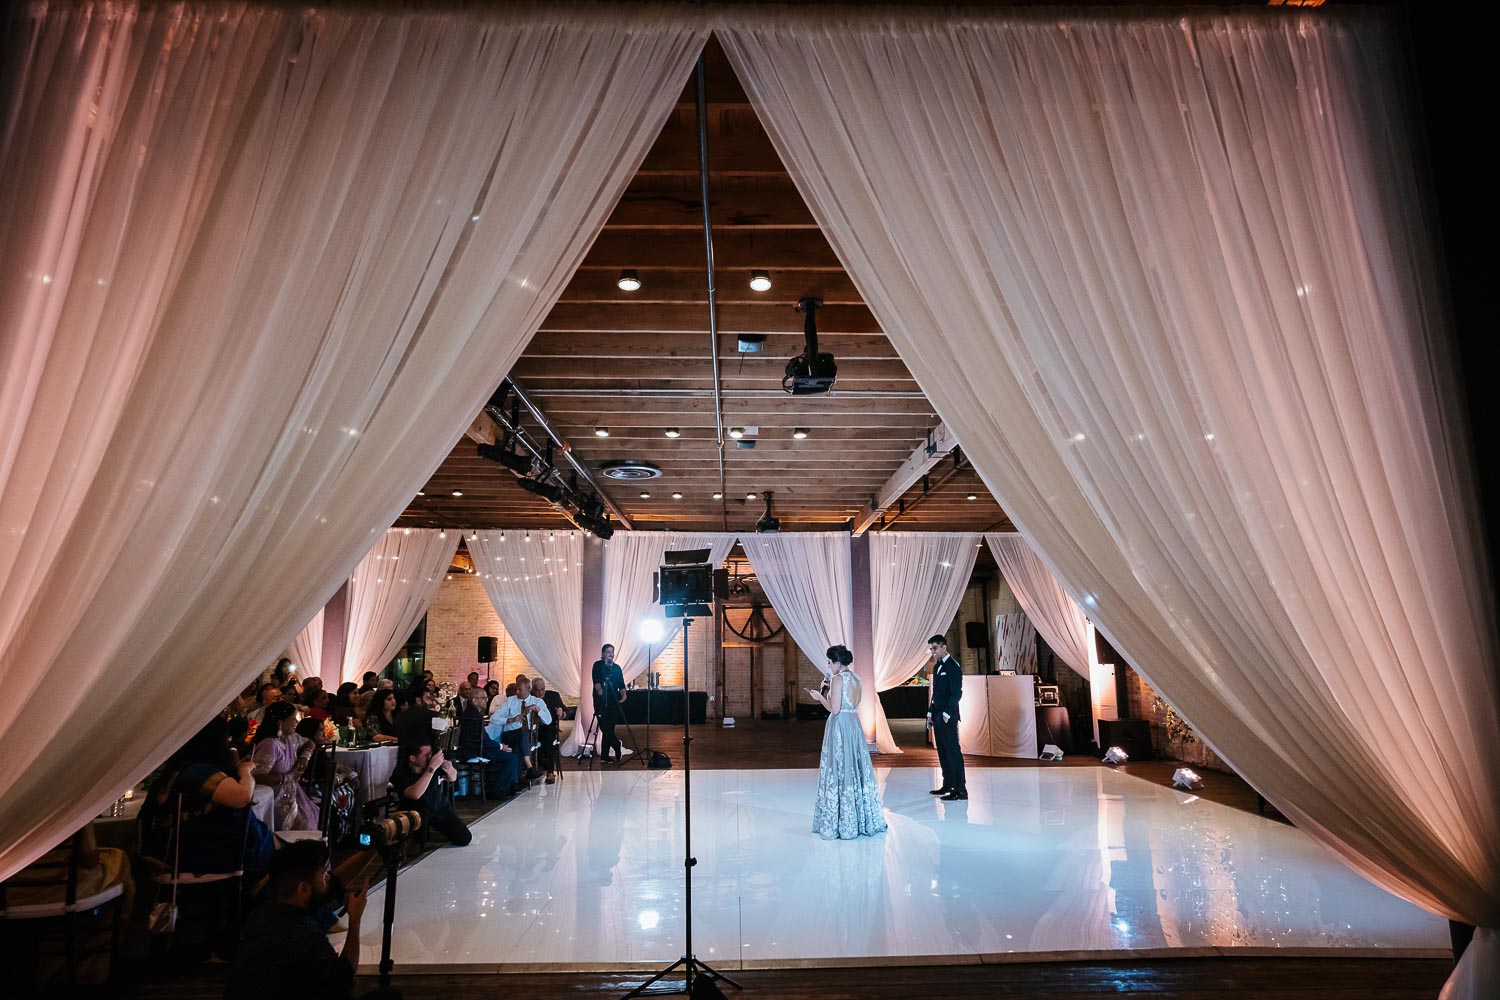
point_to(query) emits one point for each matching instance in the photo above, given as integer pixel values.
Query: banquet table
(122, 830)
(374, 764)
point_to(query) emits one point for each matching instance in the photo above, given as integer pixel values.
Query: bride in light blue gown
(848, 804)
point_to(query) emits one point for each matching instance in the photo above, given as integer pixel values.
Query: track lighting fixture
(629, 281)
(760, 280)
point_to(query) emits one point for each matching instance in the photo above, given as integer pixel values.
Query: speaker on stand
(489, 648)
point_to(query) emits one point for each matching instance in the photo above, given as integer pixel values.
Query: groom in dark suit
(942, 719)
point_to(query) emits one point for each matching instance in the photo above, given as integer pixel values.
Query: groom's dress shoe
(939, 791)
(956, 797)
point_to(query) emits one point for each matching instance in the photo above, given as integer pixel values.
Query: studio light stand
(650, 628)
(693, 970)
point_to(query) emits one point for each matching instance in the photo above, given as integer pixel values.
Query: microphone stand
(692, 969)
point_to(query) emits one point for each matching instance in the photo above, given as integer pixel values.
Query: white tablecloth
(375, 766)
(998, 716)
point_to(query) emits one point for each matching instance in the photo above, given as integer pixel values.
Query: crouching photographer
(423, 781)
(284, 950)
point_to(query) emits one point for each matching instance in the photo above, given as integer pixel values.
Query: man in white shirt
(514, 722)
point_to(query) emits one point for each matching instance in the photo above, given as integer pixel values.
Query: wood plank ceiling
(639, 363)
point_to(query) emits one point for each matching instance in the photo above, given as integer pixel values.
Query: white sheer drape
(245, 310)
(808, 580)
(917, 582)
(389, 592)
(1168, 281)
(535, 581)
(1054, 614)
(306, 651)
(631, 560)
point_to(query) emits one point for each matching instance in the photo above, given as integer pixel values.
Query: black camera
(392, 830)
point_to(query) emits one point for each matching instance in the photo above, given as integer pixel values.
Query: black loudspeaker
(976, 636)
(1131, 735)
(488, 647)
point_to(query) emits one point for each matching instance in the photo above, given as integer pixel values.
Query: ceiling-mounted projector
(810, 372)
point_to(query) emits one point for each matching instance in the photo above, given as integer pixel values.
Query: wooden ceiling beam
(658, 203)
(743, 250)
(677, 285)
(745, 411)
(772, 317)
(745, 367)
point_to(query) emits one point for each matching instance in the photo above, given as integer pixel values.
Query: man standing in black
(942, 719)
(609, 693)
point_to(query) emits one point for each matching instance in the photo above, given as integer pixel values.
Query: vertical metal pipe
(713, 312)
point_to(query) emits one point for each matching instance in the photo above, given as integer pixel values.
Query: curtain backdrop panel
(807, 578)
(631, 559)
(263, 266)
(306, 650)
(1168, 282)
(535, 582)
(1054, 614)
(389, 593)
(917, 581)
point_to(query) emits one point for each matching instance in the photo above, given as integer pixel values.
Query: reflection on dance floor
(1038, 861)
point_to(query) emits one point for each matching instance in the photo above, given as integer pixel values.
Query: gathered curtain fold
(917, 582)
(1054, 614)
(263, 265)
(631, 560)
(534, 579)
(389, 592)
(306, 650)
(808, 578)
(1169, 282)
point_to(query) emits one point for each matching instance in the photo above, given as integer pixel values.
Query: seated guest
(367, 682)
(510, 690)
(549, 757)
(491, 692)
(419, 780)
(385, 684)
(415, 724)
(267, 694)
(312, 729)
(380, 719)
(239, 736)
(219, 832)
(316, 699)
(280, 757)
(473, 678)
(310, 690)
(284, 676)
(346, 691)
(515, 722)
(284, 950)
(243, 704)
(342, 712)
(502, 775)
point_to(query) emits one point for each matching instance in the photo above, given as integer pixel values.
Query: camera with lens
(392, 830)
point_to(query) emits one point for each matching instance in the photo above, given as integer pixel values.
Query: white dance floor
(1039, 863)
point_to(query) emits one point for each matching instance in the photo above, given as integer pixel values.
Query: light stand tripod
(391, 855)
(644, 753)
(692, 969)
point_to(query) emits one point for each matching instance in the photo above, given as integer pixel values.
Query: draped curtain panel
(808, 580)
(1054, 614)
(1168, 281)
(917, 581)
(535, 581)
(631, 560)
(389, 593)
(263, 264)
(306, 650)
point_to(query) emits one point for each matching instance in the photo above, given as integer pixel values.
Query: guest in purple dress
(280, 756)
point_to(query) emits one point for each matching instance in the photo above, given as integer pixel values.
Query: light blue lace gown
(848, 803)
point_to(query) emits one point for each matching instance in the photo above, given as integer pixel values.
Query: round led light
(760, 280)
(673, 432)
(972, 496)
(601, 432)
(629, 281)
(800, 433)
(736, 432)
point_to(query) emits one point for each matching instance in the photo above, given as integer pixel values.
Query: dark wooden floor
(796, 745)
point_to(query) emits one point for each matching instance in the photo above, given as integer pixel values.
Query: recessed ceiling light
(718, 496)
(676, 495)
(601, 432)
(972, 496)
(420, 493)
(800, 433)
(458, 493)
(750, 496)
(645, 495)
(673, 432)
(736, 432)
(760, 280)
(629, 280)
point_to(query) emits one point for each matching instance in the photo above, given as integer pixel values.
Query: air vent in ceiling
(629, 470)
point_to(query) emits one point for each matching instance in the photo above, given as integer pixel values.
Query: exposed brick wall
(459, 614)
(769, 672)
(1187, 747)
